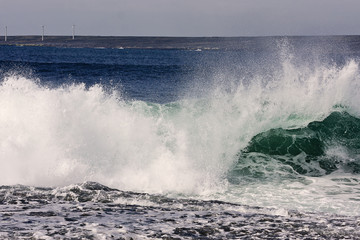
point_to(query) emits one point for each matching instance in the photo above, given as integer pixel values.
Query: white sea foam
(69, 134)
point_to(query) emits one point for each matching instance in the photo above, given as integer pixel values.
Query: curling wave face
(313, 144)
(299, 127)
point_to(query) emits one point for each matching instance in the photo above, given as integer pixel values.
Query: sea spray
(71, 134)
(55, 136)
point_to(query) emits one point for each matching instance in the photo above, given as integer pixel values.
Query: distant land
(128, 42)
(192, 43)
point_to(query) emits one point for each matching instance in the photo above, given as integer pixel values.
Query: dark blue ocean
(274, 124)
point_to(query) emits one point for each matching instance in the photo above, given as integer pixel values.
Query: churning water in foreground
(276, 131)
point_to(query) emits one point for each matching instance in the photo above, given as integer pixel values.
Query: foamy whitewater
(284, 139)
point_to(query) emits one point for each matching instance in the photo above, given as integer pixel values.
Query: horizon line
(169, 36)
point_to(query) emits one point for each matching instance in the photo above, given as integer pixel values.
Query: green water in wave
(303, 151)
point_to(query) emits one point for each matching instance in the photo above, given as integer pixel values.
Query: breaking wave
(302, 120)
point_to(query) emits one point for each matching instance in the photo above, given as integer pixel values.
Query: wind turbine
(73, 32)
(5, 33)
(42, 36)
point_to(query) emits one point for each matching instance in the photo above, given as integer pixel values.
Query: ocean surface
(262, 142)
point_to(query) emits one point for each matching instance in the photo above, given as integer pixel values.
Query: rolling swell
(307, 150)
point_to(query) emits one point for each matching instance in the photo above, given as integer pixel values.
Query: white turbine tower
(73, 32)
(5, 33)
(42, 36)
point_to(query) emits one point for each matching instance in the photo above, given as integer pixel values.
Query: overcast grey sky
(181, 17)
